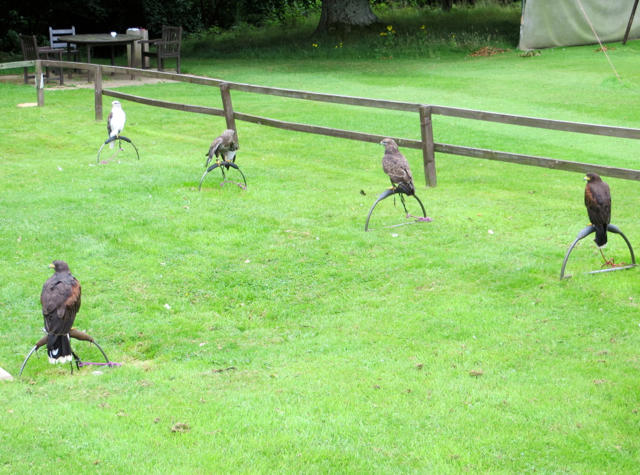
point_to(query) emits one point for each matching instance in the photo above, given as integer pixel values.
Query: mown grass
(443, 349)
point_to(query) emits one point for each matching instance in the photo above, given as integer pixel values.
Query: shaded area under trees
(102, 16)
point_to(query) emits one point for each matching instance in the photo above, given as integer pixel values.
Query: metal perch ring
(385, 194)
(590, 230)
(221, 164)
(73, 333)
(113, 139)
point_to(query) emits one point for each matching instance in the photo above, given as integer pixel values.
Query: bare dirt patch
(79, 81)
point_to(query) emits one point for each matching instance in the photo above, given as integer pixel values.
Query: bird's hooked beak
(384, 142)
(51, 266)
(586, 178)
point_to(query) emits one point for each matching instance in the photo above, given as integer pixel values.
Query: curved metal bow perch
(387, 193)
(113, 139)
(221, 164)
(41, 342)
(590, 230)
(78, 335)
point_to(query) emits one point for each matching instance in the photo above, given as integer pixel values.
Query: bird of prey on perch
(224, 146)
(597, 199)
(115, 121)
(60, 300)
(396, 166)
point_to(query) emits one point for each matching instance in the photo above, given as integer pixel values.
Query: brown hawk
(60, 300)
(597, 199)
(396, 166)
(224, 146)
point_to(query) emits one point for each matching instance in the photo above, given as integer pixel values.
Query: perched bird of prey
(224, 146)
(597, 199)
(60, 300)
(115, 121)
(396, 166)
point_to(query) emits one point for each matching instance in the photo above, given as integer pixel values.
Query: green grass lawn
(432, 348)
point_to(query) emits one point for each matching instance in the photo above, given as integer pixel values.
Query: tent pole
(633, 13)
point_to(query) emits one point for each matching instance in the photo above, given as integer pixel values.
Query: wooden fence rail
(164, 104)
(425, 111)
(17, 64)
(614, 172)
(560, 125)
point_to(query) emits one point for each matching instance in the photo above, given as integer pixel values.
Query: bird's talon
(611, 263)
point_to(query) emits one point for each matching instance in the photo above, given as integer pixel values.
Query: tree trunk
(344, 14)
(447, 5)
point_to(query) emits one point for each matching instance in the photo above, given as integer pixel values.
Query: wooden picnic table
(102, 39)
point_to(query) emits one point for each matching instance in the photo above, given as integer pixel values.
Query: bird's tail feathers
(407, 188)
(59, 348)
(601, 236)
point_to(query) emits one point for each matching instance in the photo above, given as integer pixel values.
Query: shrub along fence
(424, 111)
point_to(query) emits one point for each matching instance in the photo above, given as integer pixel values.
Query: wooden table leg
(133, 57)
(113, 58)
(69, 59)
(61, 70)
(89, 62)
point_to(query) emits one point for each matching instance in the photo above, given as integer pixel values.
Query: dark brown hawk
(396, 166)
(60, 300)
(597, 199)
(224, 146)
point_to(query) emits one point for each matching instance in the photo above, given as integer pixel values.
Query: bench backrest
(53, 36)
(29, 47)
(174, 36)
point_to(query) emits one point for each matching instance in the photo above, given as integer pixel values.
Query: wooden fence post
(39, 83)
(428, 155)
(98, 92)
(228, 108)
(633, 13)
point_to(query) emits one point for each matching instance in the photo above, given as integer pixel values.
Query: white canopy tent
(552, 23)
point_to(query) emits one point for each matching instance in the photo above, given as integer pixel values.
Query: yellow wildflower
(383, 34)
(315, 45)
(422, 27)
(389, 28)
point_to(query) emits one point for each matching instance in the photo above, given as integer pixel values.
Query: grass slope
(402, 32)
(440, 350)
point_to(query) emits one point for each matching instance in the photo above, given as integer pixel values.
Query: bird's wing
(597, 198)
(60, 299)
(109, 122)
(215, 145)
(397, 167)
